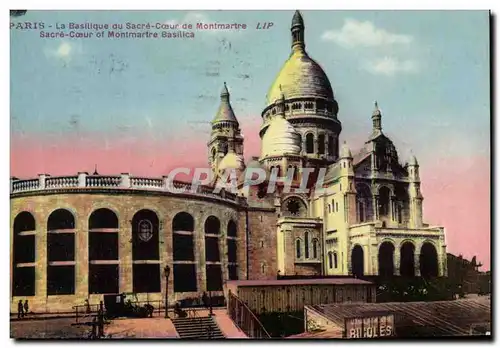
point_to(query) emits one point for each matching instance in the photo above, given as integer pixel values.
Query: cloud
(65, 51)
(390, 66)
(355, 33)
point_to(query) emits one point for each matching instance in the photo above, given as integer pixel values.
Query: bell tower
(226, 134)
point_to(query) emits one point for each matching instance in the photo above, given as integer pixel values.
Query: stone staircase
(198, 328)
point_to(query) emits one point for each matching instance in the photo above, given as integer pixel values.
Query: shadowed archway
(357, 261)
(386, 259)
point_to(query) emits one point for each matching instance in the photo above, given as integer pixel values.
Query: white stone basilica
(368, 219)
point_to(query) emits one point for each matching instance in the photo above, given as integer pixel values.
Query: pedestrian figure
(93, 334)
(26, 307)
(204, 298)
(87, 306)
(20, 310)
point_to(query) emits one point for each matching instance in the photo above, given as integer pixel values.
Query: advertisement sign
(370, 327)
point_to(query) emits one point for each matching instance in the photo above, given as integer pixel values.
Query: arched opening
(306, 245)
(23, 282)
(321, 144)
(335, 260)
(232, 252)
(384, 201)
(212, 254)
(183, 253)
(407, 264)
(386, 259)
(364, 202)
(330, 259)
(61, 253)
(428, 261)
(298, 250)
(357, 261)
(315, 248)
(402, 205)
(310, 143)
(145, 246)
(103, 246)
(331, 147)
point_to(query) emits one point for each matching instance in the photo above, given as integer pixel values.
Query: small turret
(377, 118)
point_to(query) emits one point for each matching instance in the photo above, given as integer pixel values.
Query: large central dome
(300, 76)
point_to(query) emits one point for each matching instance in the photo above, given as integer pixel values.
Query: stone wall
(125, 204)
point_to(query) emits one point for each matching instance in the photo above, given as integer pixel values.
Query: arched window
(306, 245)
(146, 277)
(315, 248)
(331, 148)
(23, 282)
(297, 250)
(103, 246)
(212, 225)
(335, 260)
(61, 247)
(337, 207)
(321, 144)
(333, 205)
(384, 201)
(310, 143)
(330, 260)
(183, 253)
(263, 268)
(329, 208)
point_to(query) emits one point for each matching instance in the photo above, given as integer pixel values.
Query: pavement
(60, 325)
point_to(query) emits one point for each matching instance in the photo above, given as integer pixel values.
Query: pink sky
(456, 196)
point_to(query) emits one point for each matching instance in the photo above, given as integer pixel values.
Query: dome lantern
(377, 118)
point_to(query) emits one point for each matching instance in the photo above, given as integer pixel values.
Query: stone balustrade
(123, 181)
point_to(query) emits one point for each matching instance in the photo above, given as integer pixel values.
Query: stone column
(444, 262)
(223, 252)
(417, 263)
(375, 207)
(397, 261)
(41, 266)
(199, 255)
(125, 253)
(162, 249)
(82, 258)
(371, 259)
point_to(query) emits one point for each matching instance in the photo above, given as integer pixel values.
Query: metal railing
(244, 318)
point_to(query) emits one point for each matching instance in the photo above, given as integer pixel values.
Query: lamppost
(167, 274)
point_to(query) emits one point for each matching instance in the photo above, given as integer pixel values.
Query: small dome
(232, 161)
(345, 151)
(281, 138)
